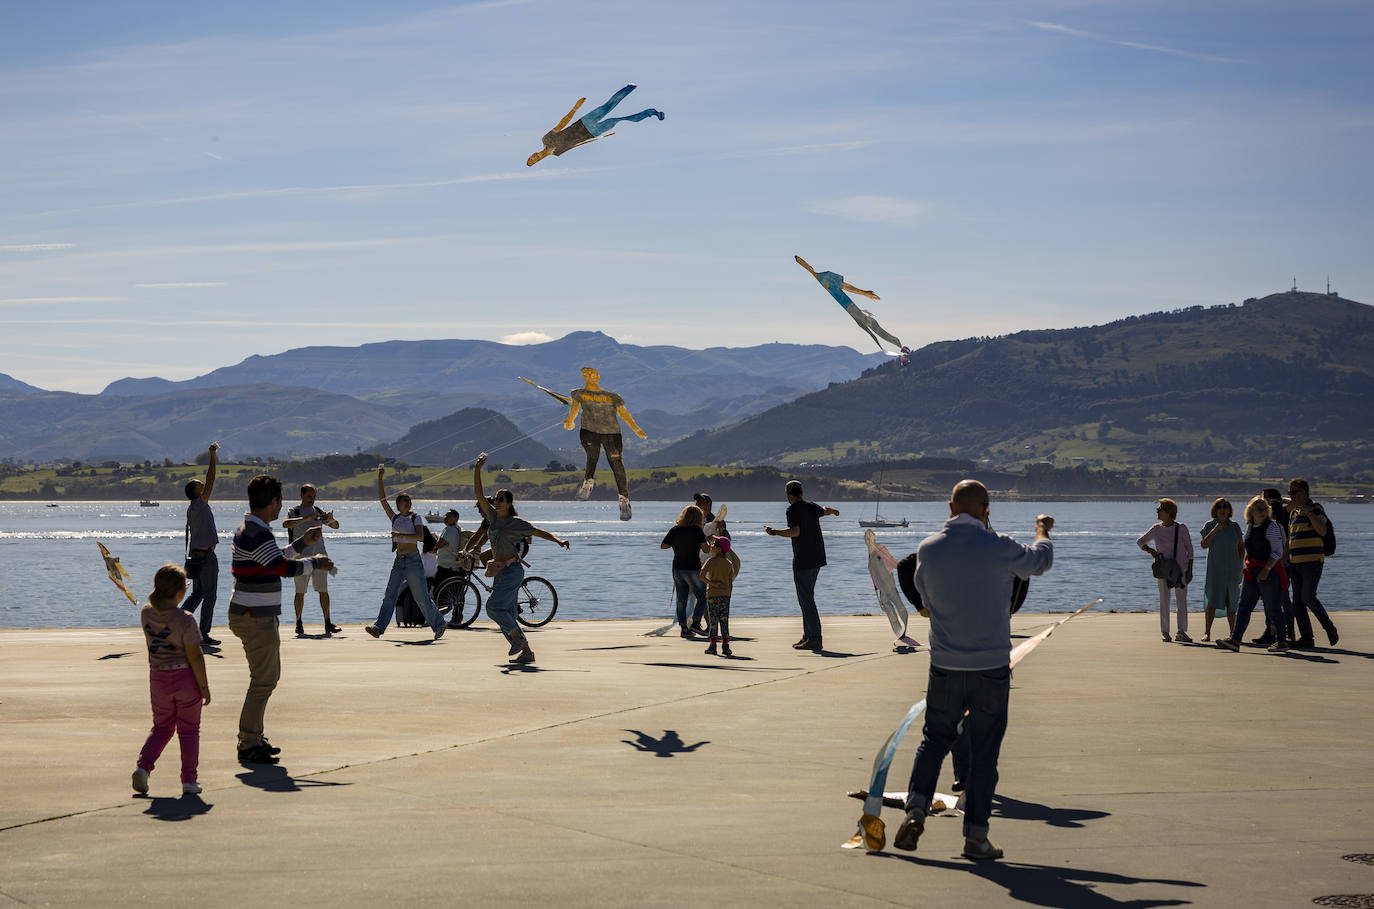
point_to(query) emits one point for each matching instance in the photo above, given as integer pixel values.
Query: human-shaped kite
(837, 286)
(116, 572)
(881, 562)
(601, 429)
(592, 126)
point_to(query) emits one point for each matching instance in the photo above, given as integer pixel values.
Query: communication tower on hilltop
(1294, 289)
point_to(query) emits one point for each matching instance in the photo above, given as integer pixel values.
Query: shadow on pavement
(720, 666)
(179, 809)
(614, 647)
(837, 655)
(275, 778)
(666, 747)
(1015, 809)
(1052, 885)
(115, 656)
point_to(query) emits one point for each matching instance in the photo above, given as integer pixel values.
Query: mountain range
(1269, 386)
(317, 400)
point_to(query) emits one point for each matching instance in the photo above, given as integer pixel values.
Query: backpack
(408, 612)
(906, 579)
(1329, 538)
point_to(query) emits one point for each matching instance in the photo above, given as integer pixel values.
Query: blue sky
(184, 185)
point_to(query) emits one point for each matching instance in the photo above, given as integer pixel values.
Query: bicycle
(458, 599)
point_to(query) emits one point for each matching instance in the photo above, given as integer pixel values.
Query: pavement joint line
(495, 738)
(10, 896)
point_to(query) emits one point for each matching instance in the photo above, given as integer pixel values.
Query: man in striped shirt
(1306, 557)
(255, 607)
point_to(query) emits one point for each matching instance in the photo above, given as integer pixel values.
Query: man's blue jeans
(204, 592)
(1305, 577)
(805, 581)
(408, 571)
(687, 582)
(984, 694)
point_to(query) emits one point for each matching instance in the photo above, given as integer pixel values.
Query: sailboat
(879, 520)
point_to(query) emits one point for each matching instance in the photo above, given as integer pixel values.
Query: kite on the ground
(590, 127)
(880, 566)
(836, 285)
(116, 572)
(561, 399)
(871, 833)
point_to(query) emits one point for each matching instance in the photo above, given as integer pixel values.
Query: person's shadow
(1053, 885)
(275, 778)
(179, 809)
(666, 747)
(1015, 809)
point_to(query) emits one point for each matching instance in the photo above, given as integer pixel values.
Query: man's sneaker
(300, 629)
(372, 630)
(207, 641)
(190, 788)
(909, 834)
(1182, 638)
(725, 649)
(584, 492)
(981, 849)
(1332, 635)
(1280, 647)
(956, 786)
(271, 749)
(711, 648)
(803, 644)
(1168, 639)
(1263, 640)
(331, 629)
(526, 657)
(815, 646)
(1304, 643)
(514, 649)
(624, 508)
(256, 754)
(439, 632)
(1228, 644)
(697, 628)
(140, 781)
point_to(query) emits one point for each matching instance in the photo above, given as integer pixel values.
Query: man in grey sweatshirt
(964, 575)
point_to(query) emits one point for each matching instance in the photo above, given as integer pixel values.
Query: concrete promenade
(634, 771)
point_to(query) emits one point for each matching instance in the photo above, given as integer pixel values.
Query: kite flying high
(592, 126)
(837, 286)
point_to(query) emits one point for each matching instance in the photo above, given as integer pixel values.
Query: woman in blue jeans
(507, 531)
(407, 532)
(688, 541)
(1263, 554)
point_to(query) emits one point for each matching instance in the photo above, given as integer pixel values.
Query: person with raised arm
(407, 569)
(202, 566)
(808, 558)
(508, 533)
(300, 518)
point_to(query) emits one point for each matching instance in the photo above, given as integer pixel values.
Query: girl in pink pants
(177, 683)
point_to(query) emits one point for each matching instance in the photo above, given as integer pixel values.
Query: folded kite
(116, 572)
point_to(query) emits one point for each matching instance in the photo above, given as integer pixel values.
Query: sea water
(51, 573)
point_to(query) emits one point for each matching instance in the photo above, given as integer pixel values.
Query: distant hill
(459, 437)
(246, 420)
(11, 385)
(1276, 385)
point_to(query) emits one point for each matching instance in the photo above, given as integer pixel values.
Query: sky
(184, 185)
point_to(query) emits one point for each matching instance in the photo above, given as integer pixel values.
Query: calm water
(51, 574)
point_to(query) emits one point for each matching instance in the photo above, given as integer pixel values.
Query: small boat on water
(52, 504)
(434, 517)
(148, 503)
(878, 520)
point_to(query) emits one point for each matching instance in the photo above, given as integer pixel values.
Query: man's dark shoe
(956, 786)
(256, 754)
(271, 749)
(1263, 640)
(697, 628)
(1304, 643)
(1228, 644)
(909, 834)
(815, 646)
(300, 629)
(803, 644)
(207, 641)
(331, 628)
(1332, 635)
(981, 849)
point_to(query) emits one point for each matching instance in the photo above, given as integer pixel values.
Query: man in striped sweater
(255, 607)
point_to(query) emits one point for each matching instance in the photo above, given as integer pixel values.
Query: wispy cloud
(39, 301)
(181, 285)
(871, 209)
(526, 337)
(213, 155)
(816, 148)
(1159, 49)
(35, 247)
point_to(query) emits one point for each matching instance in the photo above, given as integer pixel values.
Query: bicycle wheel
(537, 603)
(458, 601)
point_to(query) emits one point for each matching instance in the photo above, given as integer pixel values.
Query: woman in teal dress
(1225, 545)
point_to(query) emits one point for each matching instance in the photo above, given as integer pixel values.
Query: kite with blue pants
(592, 126)
(836, 285)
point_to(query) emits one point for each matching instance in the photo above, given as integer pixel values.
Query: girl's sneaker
(190, 788)
(140, 781)
(711, 648)
(725, 649)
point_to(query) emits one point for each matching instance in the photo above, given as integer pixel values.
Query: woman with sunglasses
(506, 530)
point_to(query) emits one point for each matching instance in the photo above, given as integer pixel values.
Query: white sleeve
(1275, 540)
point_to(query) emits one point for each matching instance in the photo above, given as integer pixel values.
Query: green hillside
(1272, 386)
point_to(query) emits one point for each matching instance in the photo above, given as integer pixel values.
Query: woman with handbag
(1173, 567)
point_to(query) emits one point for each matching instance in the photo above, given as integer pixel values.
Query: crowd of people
(1275, 559)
